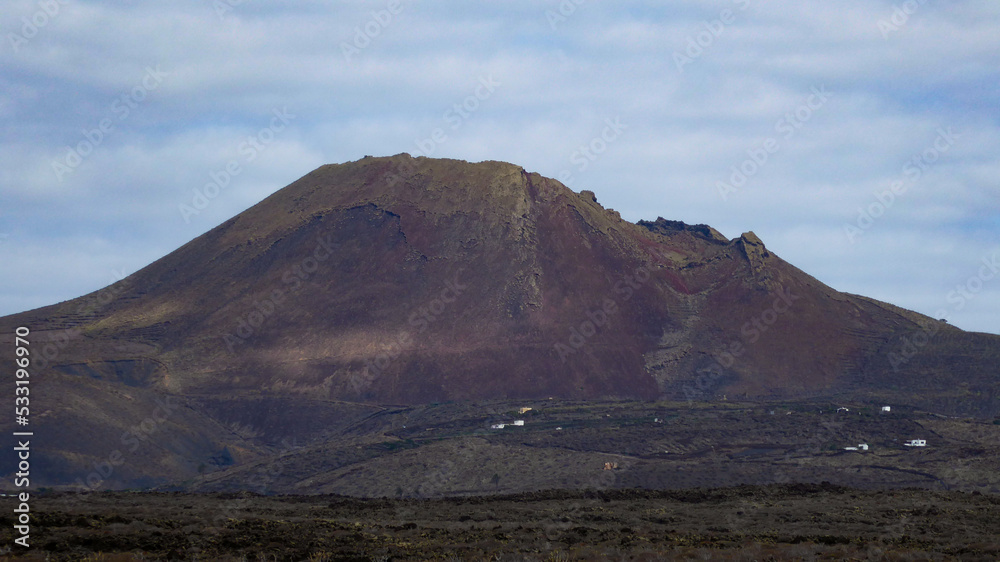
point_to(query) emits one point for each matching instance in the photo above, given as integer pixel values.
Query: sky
(860, 140)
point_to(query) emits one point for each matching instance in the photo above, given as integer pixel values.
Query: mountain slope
(401, 281)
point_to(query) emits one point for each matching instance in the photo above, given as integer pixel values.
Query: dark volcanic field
(778, 522)
(449, 449)
(729, 481)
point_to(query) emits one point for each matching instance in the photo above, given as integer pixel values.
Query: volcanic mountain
(406, 281)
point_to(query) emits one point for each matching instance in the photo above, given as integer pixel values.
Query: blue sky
(908, 98)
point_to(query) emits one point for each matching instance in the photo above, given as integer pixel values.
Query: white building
(518, 422)
(916, 443)
(498, 426)
(886, 409)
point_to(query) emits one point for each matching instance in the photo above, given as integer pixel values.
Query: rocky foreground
(779, 522)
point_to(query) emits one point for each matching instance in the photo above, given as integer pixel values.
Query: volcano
(393, 282)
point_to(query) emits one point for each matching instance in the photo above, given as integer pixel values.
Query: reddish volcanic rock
(402, 281)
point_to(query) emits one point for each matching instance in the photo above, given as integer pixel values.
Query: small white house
(498, 426)
(518, 422)
(916, 443)
(860, 447)
(843, 409)
(886, 409)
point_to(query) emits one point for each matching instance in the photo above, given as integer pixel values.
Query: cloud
(892, 91)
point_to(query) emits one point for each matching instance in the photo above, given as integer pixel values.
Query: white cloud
(686, 129)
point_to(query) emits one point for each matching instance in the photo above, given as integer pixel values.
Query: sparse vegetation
(782, 522)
